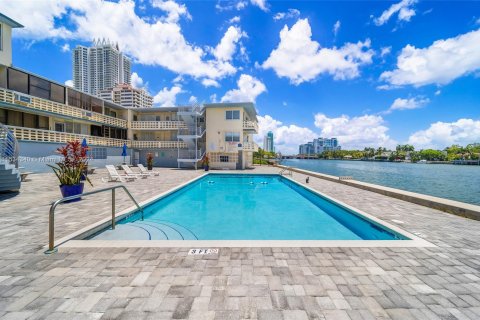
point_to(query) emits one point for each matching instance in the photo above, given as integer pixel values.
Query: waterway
(456, 182)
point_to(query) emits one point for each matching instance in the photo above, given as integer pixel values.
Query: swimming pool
(246, 207)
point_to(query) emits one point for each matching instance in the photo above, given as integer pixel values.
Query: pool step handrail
(51, 216)
(286, 171)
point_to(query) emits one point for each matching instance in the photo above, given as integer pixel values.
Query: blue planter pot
(71, 190)
(206, 168)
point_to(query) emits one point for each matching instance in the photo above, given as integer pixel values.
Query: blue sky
(373, 73)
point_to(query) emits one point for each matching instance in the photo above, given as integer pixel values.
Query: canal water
(456, 182)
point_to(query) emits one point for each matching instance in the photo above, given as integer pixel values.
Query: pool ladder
(287, 171)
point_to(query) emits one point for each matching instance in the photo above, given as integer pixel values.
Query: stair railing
(9, 149)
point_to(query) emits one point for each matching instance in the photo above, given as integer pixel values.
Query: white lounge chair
(130, 172)
(144, 170)
(114, 176)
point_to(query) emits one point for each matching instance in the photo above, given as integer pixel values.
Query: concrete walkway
(238, 283)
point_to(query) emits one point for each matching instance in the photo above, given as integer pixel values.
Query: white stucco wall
(6, 52)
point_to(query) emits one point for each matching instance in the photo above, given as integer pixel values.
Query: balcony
(158, 144)
(157, 125)
(250, 146)
(35, 103)
(40, 135)
(250, 126)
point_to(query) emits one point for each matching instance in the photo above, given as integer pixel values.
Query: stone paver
(238, 283)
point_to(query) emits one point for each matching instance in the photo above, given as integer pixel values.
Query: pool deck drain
(441, 282)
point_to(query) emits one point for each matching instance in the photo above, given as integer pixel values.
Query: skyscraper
(99, 67)
(268, 142)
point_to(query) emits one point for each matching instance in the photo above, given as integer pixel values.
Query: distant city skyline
(377, 73)
(319, 145)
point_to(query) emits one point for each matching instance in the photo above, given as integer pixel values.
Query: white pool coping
(75, 240)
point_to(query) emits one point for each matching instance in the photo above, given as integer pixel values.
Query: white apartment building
(43, 115)
(6, 25)
(99, 67)
(127, 96)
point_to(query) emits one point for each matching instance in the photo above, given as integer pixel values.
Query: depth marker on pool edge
(202, 251)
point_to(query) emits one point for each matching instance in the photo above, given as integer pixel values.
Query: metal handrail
(51, 216)
(287, 171)
(9, 149)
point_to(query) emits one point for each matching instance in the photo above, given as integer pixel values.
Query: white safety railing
(31, 102)
(250, 125)
(158, 144)
(157, 125)
(250, 146)
(63, 137)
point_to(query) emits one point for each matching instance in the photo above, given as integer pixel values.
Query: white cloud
(213, 98)
(336, 27)
(118, 21)
(137, 81)
(284, 103)
(403, 8)
(167, 97)
(240, 5)
(235, 19)
(442, 134)
(440, 63)
(228, 45)
(291, 13)
(210, 83)
(385, 51)
(356, 132)
(192, 100)
(301, 59)
(287, 138)
(478, 21)
(407, 104)
(65, 47)
(249, 88)
(262, 4)
(173, 9)
(69, 83)
(438, 92)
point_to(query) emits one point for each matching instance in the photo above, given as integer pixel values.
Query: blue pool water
(246, 207)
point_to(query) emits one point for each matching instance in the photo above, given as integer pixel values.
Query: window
(60, 127)
(223, 158)
(98, 153)
(17, 81)
(157, 118)
(29, 120)
(15, 118)
(232, 115)
(43, 122)
(57, 93)
(39, 87)
(3, 116)
(232, 136)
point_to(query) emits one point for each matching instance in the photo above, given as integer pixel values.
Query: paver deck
(238, 283)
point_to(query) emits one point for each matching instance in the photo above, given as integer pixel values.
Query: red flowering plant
(69, 171)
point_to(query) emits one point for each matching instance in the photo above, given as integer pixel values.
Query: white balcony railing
(58, 108)
(63, 137)
(250, 146)
(157, 125)
(158, 144)
(250, 125)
